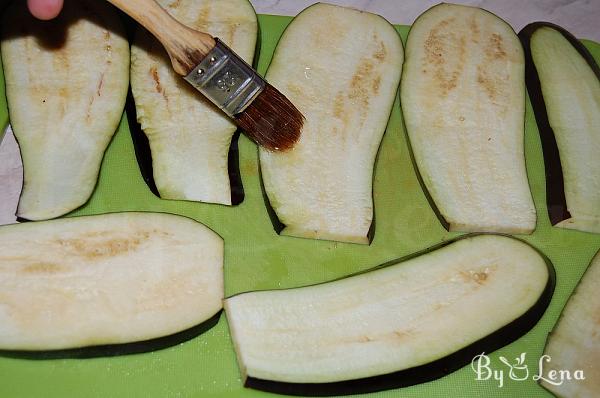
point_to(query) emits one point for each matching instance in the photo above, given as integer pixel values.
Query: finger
(45, 9)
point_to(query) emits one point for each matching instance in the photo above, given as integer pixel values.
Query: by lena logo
(518, 370)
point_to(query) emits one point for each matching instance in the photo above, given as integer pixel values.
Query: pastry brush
(260, 110)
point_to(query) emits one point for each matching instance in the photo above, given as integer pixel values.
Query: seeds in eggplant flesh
(402, 324)
(463, 102)
(341, 68)
(66, 83)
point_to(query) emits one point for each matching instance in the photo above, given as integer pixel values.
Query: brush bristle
(271, 120)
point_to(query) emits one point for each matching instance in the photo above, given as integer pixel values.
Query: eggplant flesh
(574, 344)
(400, 324)
(189, 138)
(107, 279)
(341, 68)
(66, 84)
(463, 102)
(563, 80)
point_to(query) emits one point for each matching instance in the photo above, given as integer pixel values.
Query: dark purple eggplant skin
(112, 350)
(427, 372)
(143, 155)
(555, 191)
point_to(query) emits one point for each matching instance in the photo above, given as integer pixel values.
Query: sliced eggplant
(189, 138)
(66, 83)
(574, 344)
(463, 101)
(407, 322)
(106, 279)
(341, 68)
(563, 81)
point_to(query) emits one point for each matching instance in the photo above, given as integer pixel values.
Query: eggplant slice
(563, 81)
(404, 323)
(189, 137)
(574, 344)
(107, 279)
(66, 84)
(341, 68)
(463, 101)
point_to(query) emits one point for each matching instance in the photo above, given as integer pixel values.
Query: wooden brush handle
(185, 46)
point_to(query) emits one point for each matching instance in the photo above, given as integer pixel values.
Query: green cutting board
(256, 258)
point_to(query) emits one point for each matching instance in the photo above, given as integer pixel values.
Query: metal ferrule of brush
(226, 80)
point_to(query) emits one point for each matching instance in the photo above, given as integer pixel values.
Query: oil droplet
(307, 72)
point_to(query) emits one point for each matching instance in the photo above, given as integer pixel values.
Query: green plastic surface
(256, 258)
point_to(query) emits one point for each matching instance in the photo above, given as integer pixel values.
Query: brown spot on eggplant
(231, 29)
(364, 83)
(158, 86)
(490, 78)
(43, 268)
(295, 89)
(474, 26)
(376, 84)
(60, 59)
(100, 84)
(478, 277)
(174, 4)
(486, 82)
(358, 88)
(203, 14)
(381, 53)
(494, 84)
(338, 107)
(401, 333)
(92, 247)
(436, 46)
(62, 97)
(88, 116)
(495, 47)
(154, 73)
(555, 191)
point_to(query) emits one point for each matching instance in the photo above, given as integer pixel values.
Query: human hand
(45, 9)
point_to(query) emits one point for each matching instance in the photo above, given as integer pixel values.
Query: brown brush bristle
(271, 120)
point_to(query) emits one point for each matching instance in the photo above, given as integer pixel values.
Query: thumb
(45, 9)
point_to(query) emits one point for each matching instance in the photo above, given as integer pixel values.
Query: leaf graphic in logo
(519, 370)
